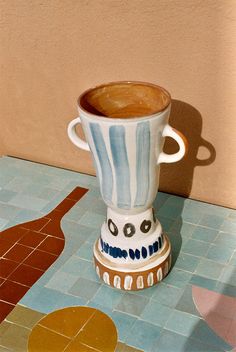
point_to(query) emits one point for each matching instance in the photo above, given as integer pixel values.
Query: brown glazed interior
(125, 100)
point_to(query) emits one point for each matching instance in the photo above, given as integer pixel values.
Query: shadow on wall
(187, 120)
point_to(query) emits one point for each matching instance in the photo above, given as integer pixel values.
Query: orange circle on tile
(74, 329)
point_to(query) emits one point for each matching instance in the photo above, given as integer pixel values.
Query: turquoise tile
(212, 221)
(103, 309)
(85, 251)
(17, 184)
(84, 288)
(169, 341)
(143, 335)
(28, 202)
(187, 229)
(203, 282)
(178, 278)
(27, 215)
(5, 179)
(186, 304)
(147, 292)
(8, 211)
(203, 333)
(229, 226)
(204, 234)
(62, 281)
(47, 276)
(232, 215)
(233, 259)
(193, 345)
(91, 274)
(220, 254)
(182, 323)
(156, 313)
(3, 223)
(107, 297)
(92, 220)
(75, 213)
(197, 248)
(76, 266)
(187, 262)
(192, 215)
(169, 211)
(132, 304)
(226, 240)
(176, 201)
(166, 223)
(59, 183)
(209, 269)
(124, 323)
(228, 275)
(225, 289)
(29, 298)
(99, 207)
(6, 195)
(160, 199)
(167, 295)
(87, 201)
(48, 300)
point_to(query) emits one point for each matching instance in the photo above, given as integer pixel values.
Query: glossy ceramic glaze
(125, 124)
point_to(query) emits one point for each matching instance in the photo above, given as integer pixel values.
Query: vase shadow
(178, 177)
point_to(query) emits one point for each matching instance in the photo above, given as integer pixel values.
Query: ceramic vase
(125, 125)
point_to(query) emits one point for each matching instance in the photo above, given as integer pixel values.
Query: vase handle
(75, 139)
(182, 142)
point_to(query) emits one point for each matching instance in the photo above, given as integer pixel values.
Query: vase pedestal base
(136, 276)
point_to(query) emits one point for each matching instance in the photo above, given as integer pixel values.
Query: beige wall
(51, 50)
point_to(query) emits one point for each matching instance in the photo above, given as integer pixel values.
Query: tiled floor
(193, 309)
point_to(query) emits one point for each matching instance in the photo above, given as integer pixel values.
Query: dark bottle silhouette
(27, 250)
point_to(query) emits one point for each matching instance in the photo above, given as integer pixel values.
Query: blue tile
(204, 234)
(186, 304)
(169, 211)
(229, 226)
(3, 223)
(167, 295)
(84, 288)
(156, 313)
(228, 275)
(107, 297)
(209, 269)
(62, 281)
(203, 333)
(76, 266)
(176, 201)
(233, 259)
(187, 229)
(225, 289)
(8, 211)
(124, 323)
(28, 202)
(220, 254)
(187, 262)
(169, 341)
(203, 282)
(191, 215)
(100, 307)
(160, 199)
(92, 220)
(225, 239)
(85, 251)
(197, 248)
(6, 195)
(18, 183)
(182, 323)
(75, 213)
(212, 221)
(132, 304)
(27, 215)
(143, 335)
(165, 222)
(193, 345)
(178, 278)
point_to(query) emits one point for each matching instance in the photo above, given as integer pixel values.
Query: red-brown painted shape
(27, 250)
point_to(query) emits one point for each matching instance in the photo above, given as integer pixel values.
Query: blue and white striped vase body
(125, 155)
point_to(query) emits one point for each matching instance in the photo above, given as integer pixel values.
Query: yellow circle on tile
(74, 329)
